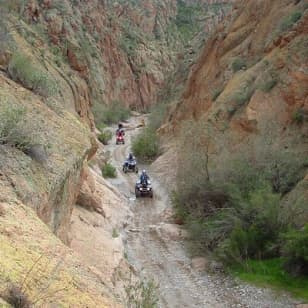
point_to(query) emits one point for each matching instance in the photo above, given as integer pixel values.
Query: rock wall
(250, 86)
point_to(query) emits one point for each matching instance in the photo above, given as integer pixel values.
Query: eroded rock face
(48, 184)
(57, 273)
(250, 85)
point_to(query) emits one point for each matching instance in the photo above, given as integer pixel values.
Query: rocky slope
(250, 87)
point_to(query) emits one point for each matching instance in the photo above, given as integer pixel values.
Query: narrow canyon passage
(155, 248)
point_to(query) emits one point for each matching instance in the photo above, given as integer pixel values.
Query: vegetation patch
(157, 114)
(130, 39)
(243, 95)
(109, 171)
(107, 115)
(186, 19)
(105, 137)
(22, 70)
(268, 85)
(298, 116)
(295, 250)
(271, 273)
(12, 131)
(142, 294)
(236, 213)
(115, 233)
(288, 21)
(238, 64)
(146, 145)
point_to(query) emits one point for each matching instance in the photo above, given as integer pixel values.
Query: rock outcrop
(250, 87)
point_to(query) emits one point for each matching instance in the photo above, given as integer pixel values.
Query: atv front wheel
(137, 193)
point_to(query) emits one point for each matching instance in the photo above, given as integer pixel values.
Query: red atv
(120, 137)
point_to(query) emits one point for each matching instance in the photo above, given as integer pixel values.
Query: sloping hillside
(250, 87)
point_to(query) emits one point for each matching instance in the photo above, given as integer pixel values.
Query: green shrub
(22, 70)
(146, 145)
(295, 249)
(130, 39)
(12, 131)
(10, 116)
(115, 233)
(142, 294)
(157, 114)
(107, 115)
(108, 171)
(255, 226)
(238, 64)
(237, 219)
(105, 136)
(243, 96)
(271, 271)
(298, 116)
(289, 21)
(269, 85)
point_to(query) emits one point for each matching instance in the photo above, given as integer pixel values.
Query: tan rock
(199, 264)
(172, 231)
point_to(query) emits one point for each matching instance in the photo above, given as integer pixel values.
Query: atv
(120, 139)
(130, 165)
(143, 189)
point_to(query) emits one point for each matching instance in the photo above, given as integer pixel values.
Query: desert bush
(142, 294)
(157, 114)
(130, 39)
(22, 70)
(268, 85)
(10, 116)
(105, 136)
(115, 233)
(298, 116)
(238, 219)
(238, 64)
(243, 96)
(288, 21)
(295, 250)
(254, 223)
(108, 171)
(146, 145)
(12, 130)
(107, 115)
(283, 170)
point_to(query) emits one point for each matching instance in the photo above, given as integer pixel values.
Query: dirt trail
(155, 249)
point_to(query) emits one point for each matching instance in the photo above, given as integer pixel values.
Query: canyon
(69, 237)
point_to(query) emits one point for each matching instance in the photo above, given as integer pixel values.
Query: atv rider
(144, 178)
(120, 130)
(130, 158)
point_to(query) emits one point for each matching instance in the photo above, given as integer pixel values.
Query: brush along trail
(155, 247)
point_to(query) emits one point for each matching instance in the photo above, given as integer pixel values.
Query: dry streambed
(155, 248)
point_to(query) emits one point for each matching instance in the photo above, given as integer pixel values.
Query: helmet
(143, 171)
(130, 155)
